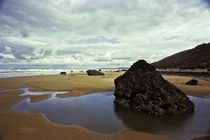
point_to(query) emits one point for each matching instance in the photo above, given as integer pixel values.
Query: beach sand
(24, 126)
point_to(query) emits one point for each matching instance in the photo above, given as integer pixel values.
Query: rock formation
(62, 73)
(94, 73)
(192, 82)
(142, 88)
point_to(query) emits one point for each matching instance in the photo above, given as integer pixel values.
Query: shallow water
(53, 93)
(26, 91)
(97, 112)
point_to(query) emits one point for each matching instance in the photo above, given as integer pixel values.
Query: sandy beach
(24, 126)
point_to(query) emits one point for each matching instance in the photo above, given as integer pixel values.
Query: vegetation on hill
(198, 57)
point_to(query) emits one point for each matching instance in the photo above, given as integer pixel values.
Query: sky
(99, 32)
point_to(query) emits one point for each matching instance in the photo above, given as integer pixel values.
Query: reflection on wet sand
(183, 127)
(97, 112)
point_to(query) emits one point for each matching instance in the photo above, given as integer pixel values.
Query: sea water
(14, 70)
(31, 70)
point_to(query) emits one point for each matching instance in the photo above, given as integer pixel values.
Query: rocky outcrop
(142, 88)
(192, 82)
(62, 73)
(94, 73)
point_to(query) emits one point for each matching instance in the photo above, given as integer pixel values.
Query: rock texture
(62, 73)
(202, 138)
(142, 88)
(192, 82)
(94, 73)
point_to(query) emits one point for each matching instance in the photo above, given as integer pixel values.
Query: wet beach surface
(97, 113)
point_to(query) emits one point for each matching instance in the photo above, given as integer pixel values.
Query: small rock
(94, 73)
(192, 82)
(62, 73)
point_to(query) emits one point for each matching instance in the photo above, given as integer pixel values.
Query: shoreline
(77, 86)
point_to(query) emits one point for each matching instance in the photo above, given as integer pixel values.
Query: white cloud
(7, 53)
(105, 32)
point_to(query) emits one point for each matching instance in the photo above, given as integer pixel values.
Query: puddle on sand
(97, 112)
(92, 112)
(26, 91)
(53, 93)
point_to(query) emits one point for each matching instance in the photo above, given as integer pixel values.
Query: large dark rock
(142, 88)
(192, 82)
(94, 73)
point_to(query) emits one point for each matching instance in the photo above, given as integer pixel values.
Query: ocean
(14, 70)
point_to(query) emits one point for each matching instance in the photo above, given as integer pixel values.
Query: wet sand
(202, 89)
(23, 126)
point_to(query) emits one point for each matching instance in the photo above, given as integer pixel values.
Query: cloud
(207, 2)
(23, 51)
(2, 48)
(97, 39)
(24, 34)
(1, 3)
(105, 32)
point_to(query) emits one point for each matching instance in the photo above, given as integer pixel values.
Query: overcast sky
(99, 32)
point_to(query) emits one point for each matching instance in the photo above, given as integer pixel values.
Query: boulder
(94, 73)
(62, 73)
(192, 82)
(142, 88)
